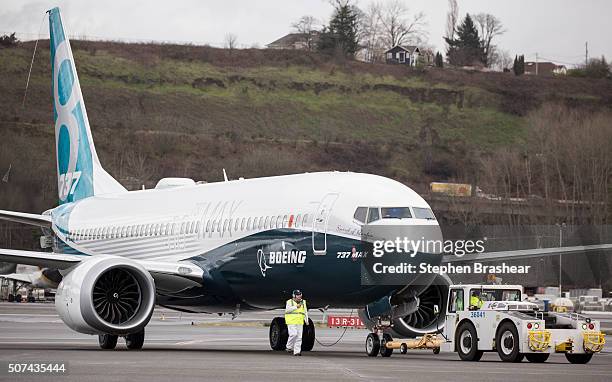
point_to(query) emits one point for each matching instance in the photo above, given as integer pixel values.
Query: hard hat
(297, 292)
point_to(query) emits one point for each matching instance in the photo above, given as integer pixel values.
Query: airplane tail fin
(79, 172)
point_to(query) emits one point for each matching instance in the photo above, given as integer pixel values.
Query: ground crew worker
(475, 300)
(296, 315)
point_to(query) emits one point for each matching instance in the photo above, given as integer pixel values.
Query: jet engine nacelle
(106, 295)
(426, 313)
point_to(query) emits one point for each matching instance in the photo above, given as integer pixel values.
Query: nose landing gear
(376, 345)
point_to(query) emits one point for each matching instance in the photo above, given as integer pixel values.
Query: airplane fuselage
(255, 239)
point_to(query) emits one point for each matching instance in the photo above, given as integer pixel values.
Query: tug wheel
(507, 343)
(466, 341)
(579, 358)
(537, 357)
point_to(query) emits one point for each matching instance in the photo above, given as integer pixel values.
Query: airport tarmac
(217, 348)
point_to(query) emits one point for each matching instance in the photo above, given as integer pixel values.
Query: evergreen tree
(341, 34)
(466, 48)
(519, 65)
(439, 61)
(515, 67)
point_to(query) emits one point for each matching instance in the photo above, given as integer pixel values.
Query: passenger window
(456, 301)
(267, 223)
(305, 221)
(373, 214)
(360, 214)
(298, 220)
(285, 222)
(248, 224)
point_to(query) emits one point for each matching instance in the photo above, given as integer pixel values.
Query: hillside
(166, 110)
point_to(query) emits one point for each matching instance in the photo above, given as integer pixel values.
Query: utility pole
(560, 226)
(586, 54)
(536, 63)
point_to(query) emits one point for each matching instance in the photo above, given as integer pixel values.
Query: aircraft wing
(25, 218)
(63, 261)
(526, 253)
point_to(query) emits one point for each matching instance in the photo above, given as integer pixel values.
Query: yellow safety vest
(298, 316)
(476, 301)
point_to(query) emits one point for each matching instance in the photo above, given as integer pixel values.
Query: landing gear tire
(372, 345)
(537, 357)
(436, 351)
(467, 343)
(403, 348)
(308, 336)
(384, 350)
(279, 334)
(107, 341)
(579, 358)
(11, 297)
(507, 343)
(18, 298)
(135, 341)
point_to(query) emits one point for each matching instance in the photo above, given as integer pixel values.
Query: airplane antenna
(225, 175)
(25, 93)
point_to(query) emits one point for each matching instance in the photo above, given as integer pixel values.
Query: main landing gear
(133, 341)
(279, 335)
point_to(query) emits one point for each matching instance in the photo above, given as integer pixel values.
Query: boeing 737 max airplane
(220, 247)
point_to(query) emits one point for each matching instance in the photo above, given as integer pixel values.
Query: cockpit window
(373, 214)
(360, 214)
(395, 213)
(423, 213)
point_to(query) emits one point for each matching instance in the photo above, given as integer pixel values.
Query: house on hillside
(299, 41)
(406, 55)
(545, 69)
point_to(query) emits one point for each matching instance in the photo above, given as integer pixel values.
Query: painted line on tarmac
(238, 340)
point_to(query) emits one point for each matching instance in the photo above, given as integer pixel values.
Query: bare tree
(231, 41)
(399, 27)
(371, 31)
(307, 26)
(500, 59)
(490, 27)
(452, 17)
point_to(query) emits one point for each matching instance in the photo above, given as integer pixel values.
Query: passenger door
(320, 222)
